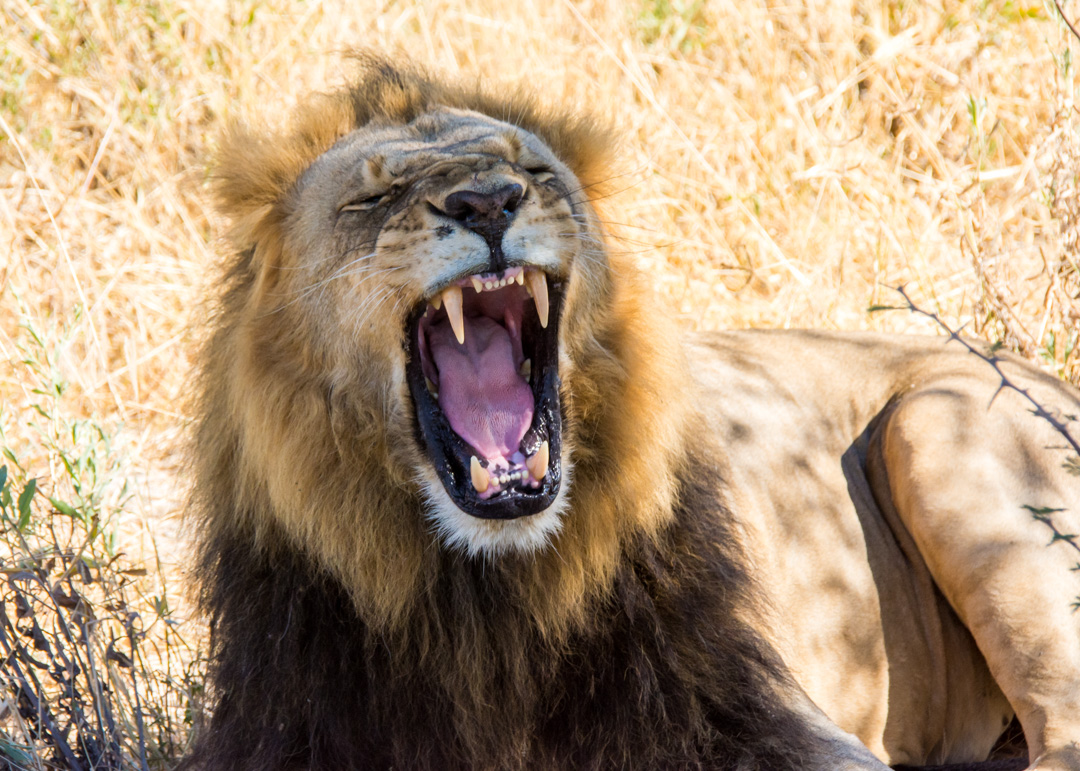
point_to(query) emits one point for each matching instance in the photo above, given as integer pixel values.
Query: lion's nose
(478, 210)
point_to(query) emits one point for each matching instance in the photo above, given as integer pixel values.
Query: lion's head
(424, 334)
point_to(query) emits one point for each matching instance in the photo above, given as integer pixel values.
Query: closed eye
(541, 174)
(364, 204)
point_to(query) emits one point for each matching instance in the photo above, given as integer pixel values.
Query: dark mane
(663, 677)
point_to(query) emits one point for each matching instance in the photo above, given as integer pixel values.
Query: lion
(465, 499)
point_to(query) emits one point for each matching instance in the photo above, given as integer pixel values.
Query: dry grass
(784, 165)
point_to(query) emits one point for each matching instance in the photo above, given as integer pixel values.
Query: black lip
(450, 455)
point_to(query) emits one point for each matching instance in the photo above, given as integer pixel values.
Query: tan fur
(883, 483)
(878, 483)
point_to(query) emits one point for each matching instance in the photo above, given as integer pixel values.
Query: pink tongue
(487, 402)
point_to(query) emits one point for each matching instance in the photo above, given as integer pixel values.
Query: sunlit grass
(781, 165)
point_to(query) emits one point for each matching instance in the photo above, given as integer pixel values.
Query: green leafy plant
(678, 25)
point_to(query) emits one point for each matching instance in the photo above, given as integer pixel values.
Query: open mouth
(483, 374)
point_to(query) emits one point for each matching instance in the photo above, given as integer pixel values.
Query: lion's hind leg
(967, 466)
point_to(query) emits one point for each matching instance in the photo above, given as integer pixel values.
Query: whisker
(352, 262)
(359, 316)
(613, 223)
(306, 291)
(367, 272)
(337, 256)
(630, 172)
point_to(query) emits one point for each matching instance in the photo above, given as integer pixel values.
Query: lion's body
(862, 574)
(652, 565)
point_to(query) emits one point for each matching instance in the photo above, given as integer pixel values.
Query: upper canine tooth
(452, 297)
(538, 290)
(480, 476)
(538, 463)
(477, 284)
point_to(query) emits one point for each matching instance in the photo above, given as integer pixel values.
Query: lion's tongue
(487, 402)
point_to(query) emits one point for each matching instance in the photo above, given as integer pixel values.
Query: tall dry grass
(783, 165)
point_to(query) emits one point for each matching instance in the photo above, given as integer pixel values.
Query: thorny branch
(995, 362)
(1040, 514)
(1064, 18)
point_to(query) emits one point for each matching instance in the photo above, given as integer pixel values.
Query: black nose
(486, 214)
(480, 211)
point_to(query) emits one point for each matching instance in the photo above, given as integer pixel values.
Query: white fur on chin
(492, 537)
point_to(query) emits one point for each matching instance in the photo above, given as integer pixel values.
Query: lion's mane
(345, 636)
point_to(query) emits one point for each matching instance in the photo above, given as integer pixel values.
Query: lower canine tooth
(431, 387)
(480, 477)
(526, 370)
(538, 463)
(452, 298)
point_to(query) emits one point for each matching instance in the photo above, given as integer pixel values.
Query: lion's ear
(254, 168)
